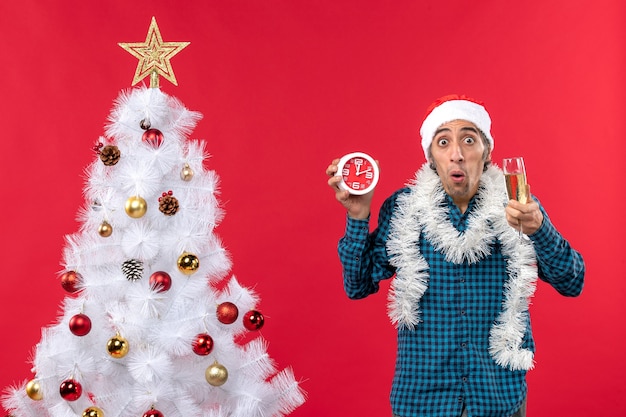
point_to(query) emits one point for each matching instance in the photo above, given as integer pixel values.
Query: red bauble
(80, 325)
(161, 281)
(203, 345)
(227, 312)
(70, 390)
(253, 320)
(70, 281)
(153, 413)
(153, 136)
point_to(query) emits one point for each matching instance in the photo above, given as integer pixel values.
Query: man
(463, 274)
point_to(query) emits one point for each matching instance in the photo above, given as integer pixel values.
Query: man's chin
(457, 190)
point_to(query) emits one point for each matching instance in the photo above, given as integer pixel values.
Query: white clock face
(359, 173)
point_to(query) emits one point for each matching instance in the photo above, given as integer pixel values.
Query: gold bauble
(136, 207)
(216, 374)
(186, 173)
(93, 412)
(105, 229)
(188, 263)
(117, 346)
(33, 390)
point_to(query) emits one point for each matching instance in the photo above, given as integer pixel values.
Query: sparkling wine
(516, 187)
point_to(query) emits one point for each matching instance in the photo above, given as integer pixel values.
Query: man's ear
(487, 162)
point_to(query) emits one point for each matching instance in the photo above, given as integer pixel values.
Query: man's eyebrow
(443, 129)
(470, 128)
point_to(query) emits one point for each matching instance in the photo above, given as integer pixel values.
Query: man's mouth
(457, 175)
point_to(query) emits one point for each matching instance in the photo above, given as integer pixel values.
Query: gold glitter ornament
(33, 390)
(188, 263)
(216, 374)
(154, 56)
(136, 207)
(117, 346)
(186, 174)
(105, 229)
(93, 412)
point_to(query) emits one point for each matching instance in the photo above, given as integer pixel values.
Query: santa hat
(454, 107)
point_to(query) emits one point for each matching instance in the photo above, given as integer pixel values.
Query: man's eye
(469, 140)
(442, 142)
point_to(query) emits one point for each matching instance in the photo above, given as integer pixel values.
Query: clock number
(359, 173)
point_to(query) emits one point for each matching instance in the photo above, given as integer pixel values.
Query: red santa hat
(454, 107)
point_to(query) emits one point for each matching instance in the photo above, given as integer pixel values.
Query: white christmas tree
(152, 326)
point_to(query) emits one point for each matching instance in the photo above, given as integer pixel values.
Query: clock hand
(363, 172)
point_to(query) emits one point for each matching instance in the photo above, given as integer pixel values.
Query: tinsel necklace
(423, 211)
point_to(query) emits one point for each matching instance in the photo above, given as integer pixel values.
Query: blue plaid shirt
(445, 362)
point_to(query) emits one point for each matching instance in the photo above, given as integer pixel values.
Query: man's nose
(456, 153)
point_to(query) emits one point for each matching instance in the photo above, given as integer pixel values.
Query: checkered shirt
(444, 362)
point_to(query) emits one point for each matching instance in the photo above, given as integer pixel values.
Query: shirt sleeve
(363, 255)
(558, 263)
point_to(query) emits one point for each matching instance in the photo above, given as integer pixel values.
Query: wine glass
(515, 179)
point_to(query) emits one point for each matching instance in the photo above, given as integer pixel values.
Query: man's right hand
(358, 206)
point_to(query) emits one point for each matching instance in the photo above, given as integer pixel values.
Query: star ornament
(154, 56)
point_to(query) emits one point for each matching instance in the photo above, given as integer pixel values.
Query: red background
(285, 87)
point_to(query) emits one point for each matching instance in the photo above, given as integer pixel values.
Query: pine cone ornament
(110, 155)
(133, 269)
(168, 204)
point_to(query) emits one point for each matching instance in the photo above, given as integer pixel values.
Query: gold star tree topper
(154, 56)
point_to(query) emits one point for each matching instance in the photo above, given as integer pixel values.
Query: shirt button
(460, 399)
(462, 312)
(463, 345)
(464, 379)
(356, 258)
(462, 279)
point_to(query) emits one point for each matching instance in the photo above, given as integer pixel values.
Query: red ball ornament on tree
(160, 281)
(203, 344)
(153, 413)
(70, 281)
(253, 320)
(227, 312)
(70, 390)
(80, 325)
(153, 136)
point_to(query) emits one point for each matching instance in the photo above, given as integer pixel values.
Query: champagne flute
(515, 179)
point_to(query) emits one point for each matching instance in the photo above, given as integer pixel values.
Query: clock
(359, 173)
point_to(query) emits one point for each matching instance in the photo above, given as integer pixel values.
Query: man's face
(458, 153)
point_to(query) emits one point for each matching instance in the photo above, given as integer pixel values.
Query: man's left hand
(524, 217)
